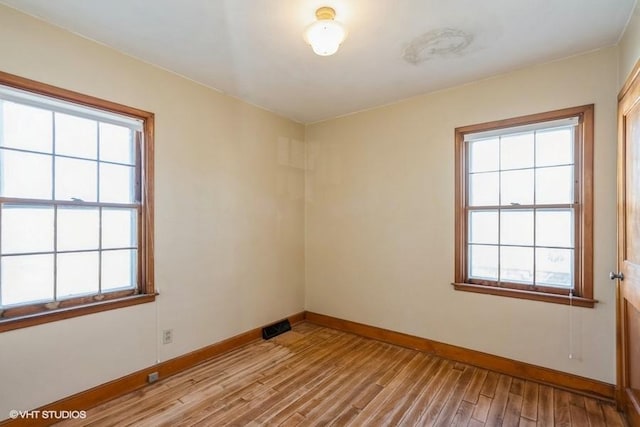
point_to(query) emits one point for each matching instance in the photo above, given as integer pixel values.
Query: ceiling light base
(325, 13)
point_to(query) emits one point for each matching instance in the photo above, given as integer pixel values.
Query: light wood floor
(319, 376)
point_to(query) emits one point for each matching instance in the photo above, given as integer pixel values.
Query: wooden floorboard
(314, 376)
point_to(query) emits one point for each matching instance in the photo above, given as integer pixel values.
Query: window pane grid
(533, 250)
(53, 194)
(57, 252)
(121, 165)
(72, 194)
(519, 207)
(79, 251)
(470, 244)
(115, 151)
(520, 169)
(76, 203)
(63, 156)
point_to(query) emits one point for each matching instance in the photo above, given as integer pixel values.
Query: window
(76, 214)
(524, 207)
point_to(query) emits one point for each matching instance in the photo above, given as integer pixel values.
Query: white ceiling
(253, 49)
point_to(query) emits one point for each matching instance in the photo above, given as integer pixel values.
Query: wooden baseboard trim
(503, 365)
(93, 397)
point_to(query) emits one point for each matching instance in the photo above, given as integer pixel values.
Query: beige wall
(380, 219)
(229, 221)
(630, 46)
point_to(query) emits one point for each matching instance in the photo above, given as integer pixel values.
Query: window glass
(26, 228)
(25, 127)
(76, 136)
(116, 144)
(25, 175)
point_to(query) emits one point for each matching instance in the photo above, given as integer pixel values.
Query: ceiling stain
(437, 43)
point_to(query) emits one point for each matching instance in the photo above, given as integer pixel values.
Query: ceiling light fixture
(325, 35)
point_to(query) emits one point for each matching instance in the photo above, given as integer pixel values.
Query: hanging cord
(156, 303)
(571, 324)
(157, 330)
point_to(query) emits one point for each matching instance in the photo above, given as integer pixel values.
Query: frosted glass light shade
(325, 36)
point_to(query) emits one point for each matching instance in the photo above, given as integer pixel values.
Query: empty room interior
(319, 212)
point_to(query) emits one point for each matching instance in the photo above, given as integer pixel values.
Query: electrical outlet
(152, 377)
(167, 336)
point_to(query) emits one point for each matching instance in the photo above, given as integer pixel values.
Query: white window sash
(552, 124)
(52, 104)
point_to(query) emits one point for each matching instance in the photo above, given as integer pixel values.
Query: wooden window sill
(53, 315)
(530, 295)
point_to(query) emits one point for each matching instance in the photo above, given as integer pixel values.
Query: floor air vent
(276, 329)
